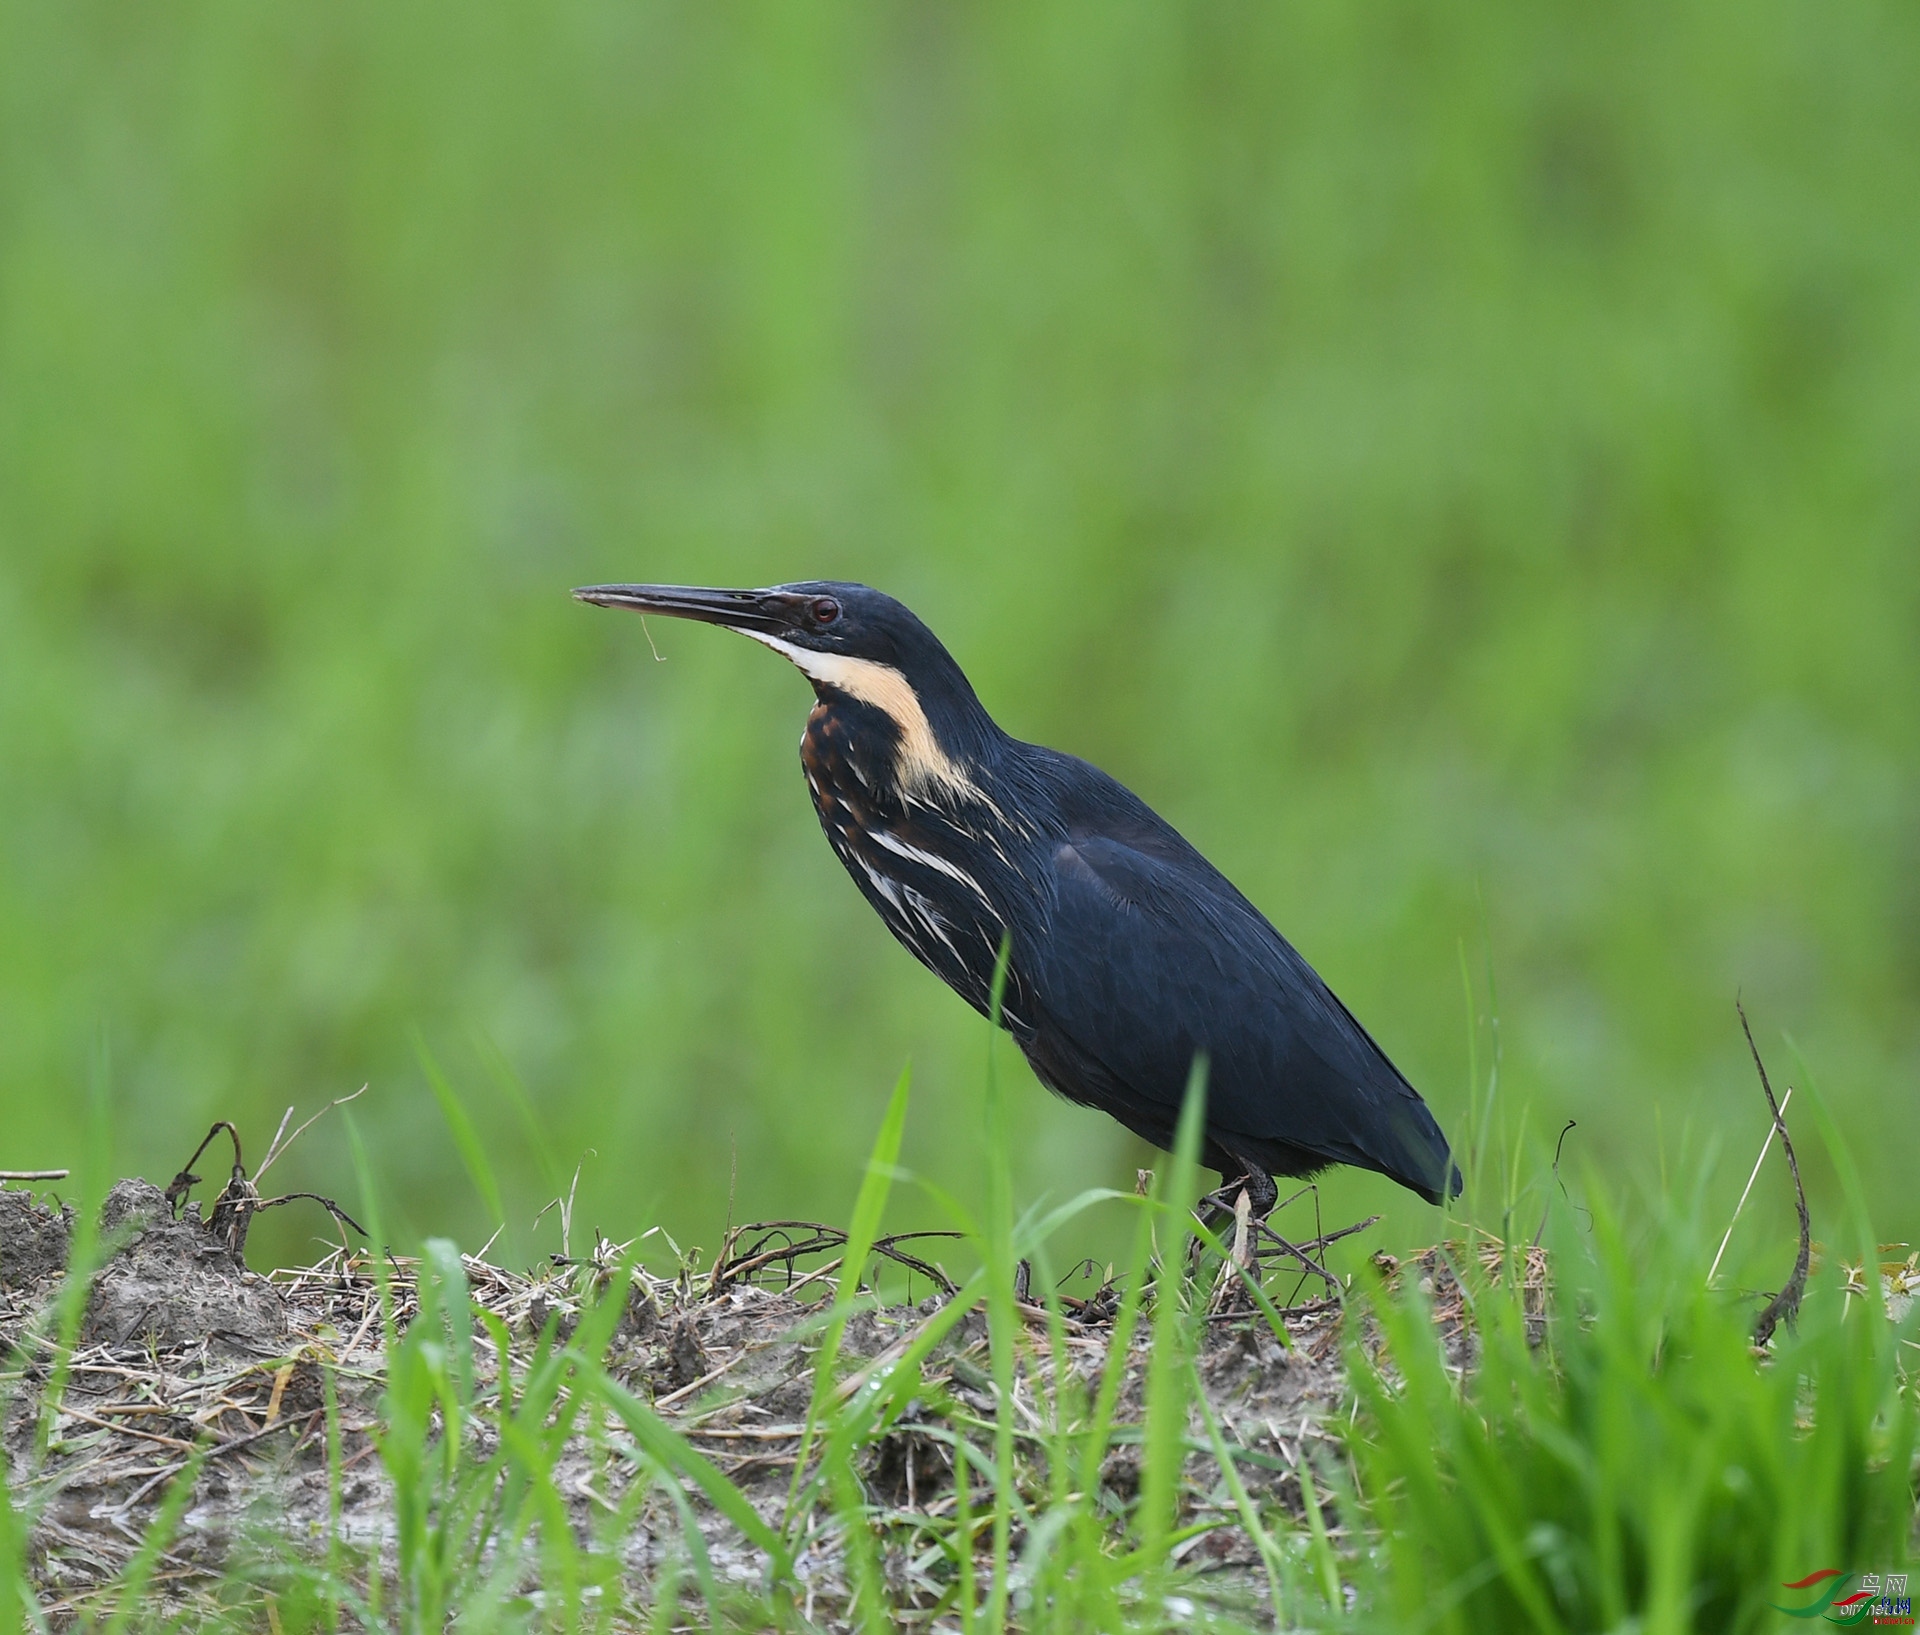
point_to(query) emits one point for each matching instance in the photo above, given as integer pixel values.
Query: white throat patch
(921, 764)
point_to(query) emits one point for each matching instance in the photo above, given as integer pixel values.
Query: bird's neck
(882, 737)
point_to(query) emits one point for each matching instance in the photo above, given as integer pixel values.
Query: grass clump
(1626, 1460)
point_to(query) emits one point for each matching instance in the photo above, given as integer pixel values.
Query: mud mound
(34, 1241)
(184, 1352)
(167, 1282)
(172, 1283)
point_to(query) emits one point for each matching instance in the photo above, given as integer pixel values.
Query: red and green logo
(1832, 1604)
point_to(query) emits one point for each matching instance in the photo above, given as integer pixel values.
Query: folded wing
(1154, 957)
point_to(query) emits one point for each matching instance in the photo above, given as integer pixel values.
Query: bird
(1129, 954)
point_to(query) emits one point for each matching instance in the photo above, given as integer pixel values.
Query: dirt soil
(182, 1347)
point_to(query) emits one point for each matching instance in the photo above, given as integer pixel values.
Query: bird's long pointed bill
(737, 609)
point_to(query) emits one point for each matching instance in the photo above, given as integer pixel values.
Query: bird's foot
(1216, 1206)
(1256, 1190)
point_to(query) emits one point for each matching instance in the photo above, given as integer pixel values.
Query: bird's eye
(826, 610)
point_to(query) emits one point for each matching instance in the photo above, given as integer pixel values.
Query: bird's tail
(1419, 1157)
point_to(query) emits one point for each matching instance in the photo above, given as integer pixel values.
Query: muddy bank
(182, 1348)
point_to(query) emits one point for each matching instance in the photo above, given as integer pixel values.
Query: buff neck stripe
(921, 763)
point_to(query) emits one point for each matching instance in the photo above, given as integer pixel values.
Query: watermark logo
(1853, 1598)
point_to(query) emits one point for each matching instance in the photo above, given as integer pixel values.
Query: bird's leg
(1257, 1187)
(1214, 1211)
(1210, 1209)
(1230, 1295)
(1261, 1193)
(1255, 1203)
(1245, 1201)
(1252, 1183)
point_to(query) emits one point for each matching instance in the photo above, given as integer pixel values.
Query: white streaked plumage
(928, 860)
(927, 915)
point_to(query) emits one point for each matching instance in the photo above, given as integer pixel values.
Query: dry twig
(1784, 1305)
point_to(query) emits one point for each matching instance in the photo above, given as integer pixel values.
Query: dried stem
(1783, 1306)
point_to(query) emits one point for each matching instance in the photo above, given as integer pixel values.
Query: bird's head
(821, 624)
(853, 643)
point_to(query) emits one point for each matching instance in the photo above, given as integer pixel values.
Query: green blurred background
(1458, 463)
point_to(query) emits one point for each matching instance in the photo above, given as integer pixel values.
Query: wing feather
(1152, 959)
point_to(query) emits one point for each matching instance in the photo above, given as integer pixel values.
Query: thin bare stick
(1766, 1146)
(1311, 1267)
(276, 1147)
(1547, 1213)
(1783, 1306)
(273, 1146)
(1325, 1238)
(889, 1246)
(332, 1208)
(34, 1174)
(184, 1183)
(746, 1251)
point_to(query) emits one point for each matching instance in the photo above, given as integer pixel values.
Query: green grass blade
(1119, 1345)
(1261, 1299)
(600, 1313)
(701, 1561)
(15, 1594)
(159, 1534)
(1859, 1212)
(330, 1401)
(843, 1487)
(377, 1259)
(1250, 1518)
(966, 1587)
(1043, 1563)
(371, 1212)
(444, 1295)
(19, 1606)
(466, 1139)
(86, 1253)
(868, 1208)
(666, 1601)
(511, 1086)
(674, 1454)
(1003, 1323)
(1167, 1368)
(1324, 1561)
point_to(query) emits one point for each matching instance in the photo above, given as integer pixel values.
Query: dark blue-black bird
(1131, 954)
